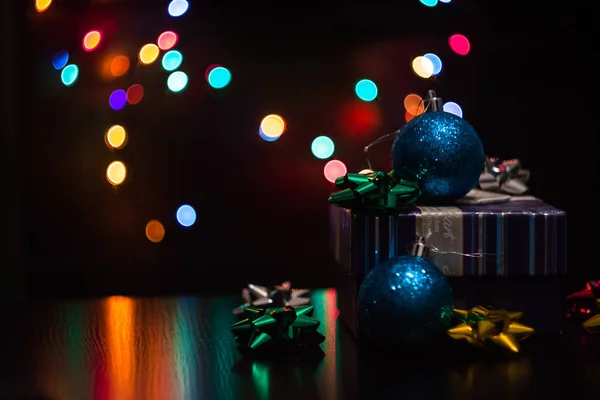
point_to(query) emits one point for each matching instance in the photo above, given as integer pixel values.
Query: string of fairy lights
(271, 128)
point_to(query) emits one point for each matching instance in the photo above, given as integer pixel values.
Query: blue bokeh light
(172, 60)
(366, 90)
(60, 59)
(177, 8)
(429, 3)
(219, 77)
(69, 74)
(117, 99)
(436, 61)
(186, 215)
(322, 147)
(265, 137)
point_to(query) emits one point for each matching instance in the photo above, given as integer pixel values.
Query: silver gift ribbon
(504, 176)
(442, 228)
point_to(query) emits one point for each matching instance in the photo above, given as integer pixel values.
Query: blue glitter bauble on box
(404, 300)
(440, 151)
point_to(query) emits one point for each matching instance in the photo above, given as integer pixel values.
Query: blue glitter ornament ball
(404, 300)
(440, 151)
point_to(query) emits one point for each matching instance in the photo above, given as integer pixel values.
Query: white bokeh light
(453, 108)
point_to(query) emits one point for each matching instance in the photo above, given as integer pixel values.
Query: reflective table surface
(175, 348)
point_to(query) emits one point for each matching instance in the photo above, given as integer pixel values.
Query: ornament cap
(419, 248)
(435, 103)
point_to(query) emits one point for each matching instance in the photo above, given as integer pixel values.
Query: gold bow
(592, 325)
(483, 325)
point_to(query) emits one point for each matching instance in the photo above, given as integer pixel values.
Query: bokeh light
(119, 65)
(117, 99)
(322, 147)
(177, 8)
(436, 62)
(91, 40)
(186, 215)
(423, 67)
(334, 169)
(218, 77)
(155, 231)
(172, 60)
(60, 59)
(69, 74)
(360, 118)
(116, 173)
(445, 1)
(453, 108)
(177, 81)
(408, 116)
(167, 40)
(414, 104)
(135, 93)
(272, 126)
(429, 3)
(366, 172)
(41, 5)
(459, 44)
(366, 90)
(149, 53)
(267, 138)
(115, 137)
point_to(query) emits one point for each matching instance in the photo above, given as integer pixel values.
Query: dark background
(526, 87)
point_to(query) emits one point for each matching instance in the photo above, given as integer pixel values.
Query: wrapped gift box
(509, 255)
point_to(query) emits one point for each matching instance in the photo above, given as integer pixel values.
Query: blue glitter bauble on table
(404, 300)
(440, 151)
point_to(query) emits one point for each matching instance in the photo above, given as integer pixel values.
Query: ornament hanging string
(431, 248)
(391, 135)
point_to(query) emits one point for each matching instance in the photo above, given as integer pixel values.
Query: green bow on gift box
(274, 327)
(374, 190)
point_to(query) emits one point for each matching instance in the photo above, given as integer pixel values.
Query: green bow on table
(272, 327)
(375, 190)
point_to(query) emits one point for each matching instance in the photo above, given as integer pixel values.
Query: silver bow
(505, 176)
(279, 296)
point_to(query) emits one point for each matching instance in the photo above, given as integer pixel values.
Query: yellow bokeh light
(91, 40)
(155, 231)
(272, 126)
(149, 53)
(115, 137)
(42, 5)
(423, 67)
(116, 173)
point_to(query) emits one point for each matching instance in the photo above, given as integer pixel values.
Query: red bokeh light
(167, 40)
(135, 93)
(361, 118)
(459, 44)
(210, 69)
(334, 169)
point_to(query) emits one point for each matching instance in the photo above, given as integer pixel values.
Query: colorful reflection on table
(121, 348)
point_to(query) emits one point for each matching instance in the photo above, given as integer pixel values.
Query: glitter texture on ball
(440, 151)
(404, 300)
